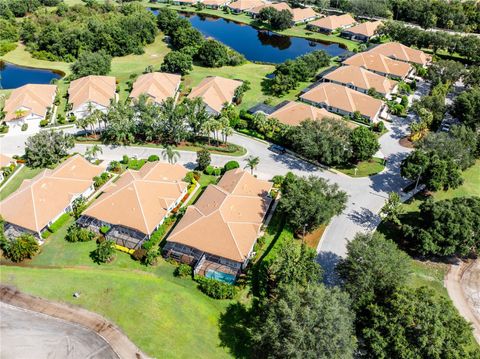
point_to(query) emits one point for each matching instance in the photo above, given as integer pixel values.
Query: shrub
(61, 119)
(277, 180)
(203, 159)
(216, 289)
(190, 177)
(104, 229)
(150, 258)
(183, 271)
(217, 171)
(25, 126)
(43, 123)
(153, 158)
(23, 247)
(105, 252)
(139, 254)
(230, 165)
(78, 234)
(379, 126)
(125, 159)
(115, 166)
(209, 170)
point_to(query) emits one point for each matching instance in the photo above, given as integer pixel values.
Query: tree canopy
(448, 227)
(466, 107)
(309, 202)
(364, 143)
(47, 148)
(91, 63)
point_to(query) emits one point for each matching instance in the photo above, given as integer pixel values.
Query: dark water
(257, 45)
(13, 76)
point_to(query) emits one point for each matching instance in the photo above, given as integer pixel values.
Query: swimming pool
(222, 277)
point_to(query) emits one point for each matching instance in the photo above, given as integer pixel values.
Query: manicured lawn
(428, 274)
(166, 317)
(23, 174)
(364, 168)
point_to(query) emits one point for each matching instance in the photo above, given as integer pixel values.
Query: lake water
(257, 45)
(13, 76)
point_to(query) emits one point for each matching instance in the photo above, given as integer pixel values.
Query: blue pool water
(257, 45)
(223, 277)
(13, 76)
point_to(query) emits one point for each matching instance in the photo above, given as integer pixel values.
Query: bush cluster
(216, 289)
(76, 233)
(183, 271)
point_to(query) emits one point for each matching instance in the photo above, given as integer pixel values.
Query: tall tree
(364, 143)
(309, 202)
(252, 162)
(47, 148)
(91, 63)
(170, 154)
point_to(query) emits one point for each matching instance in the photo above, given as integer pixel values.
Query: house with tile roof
(217, 234)
(362, 32)
(292, 113)
(303, 15)
(157, 86)
(91, 93)
(215, 4)
(240, 6)
(344, 101)
(29, 104)
(400, 52)
(329, 24)
(40, 201)
(136, 204)
(381, 65)
(215, 91)
(360, 79)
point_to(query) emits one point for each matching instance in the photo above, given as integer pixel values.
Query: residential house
(6, 164)
(380, 64)
(303, 15)
(360, 79)
(279, 6)
(215, 92)
(42, 200)
(158, 86)
(331, 23)
(362, 32)
(134, 206)
(217, 234)
(186, 2)
(293, 113)
(29, 105)
(215, 4)
(240, 6)
(400, 52)
(344, 101)
(91, 93)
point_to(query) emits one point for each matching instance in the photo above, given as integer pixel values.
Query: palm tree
(91, 152)
(170, 154)
(252, 163)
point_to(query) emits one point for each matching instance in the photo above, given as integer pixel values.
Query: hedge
(215, 289)
(230, 165)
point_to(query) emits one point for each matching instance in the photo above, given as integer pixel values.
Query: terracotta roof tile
(401, 52)
(245, 4)
(226, 218)
(343, 98)
(377, 62)
(97, 89)
(367, 28)
(42, 198)
(300, 14)
(31, 98)
(157, 85)
(334, 22)
(140, 199)
(215, 91)
(293, 113)
(361, 78)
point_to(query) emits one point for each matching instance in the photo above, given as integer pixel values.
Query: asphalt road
(25, 334)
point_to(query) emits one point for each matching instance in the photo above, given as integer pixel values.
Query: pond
(257, 45)
(13, 76)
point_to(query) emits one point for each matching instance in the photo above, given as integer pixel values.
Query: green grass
(428, 274)
(23, 174)
(364, 168)
(165, 316)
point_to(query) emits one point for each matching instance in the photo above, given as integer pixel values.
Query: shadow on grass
(234, 333)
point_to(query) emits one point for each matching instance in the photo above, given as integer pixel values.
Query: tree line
(188, 44)
(68, 31)
(19, 8)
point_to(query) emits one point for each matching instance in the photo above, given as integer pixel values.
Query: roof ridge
(234, 240)
(34, 208)
(350, 100)
(141, 207)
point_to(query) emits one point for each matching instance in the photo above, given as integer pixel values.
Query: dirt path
(119, 342)
(463, 285)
